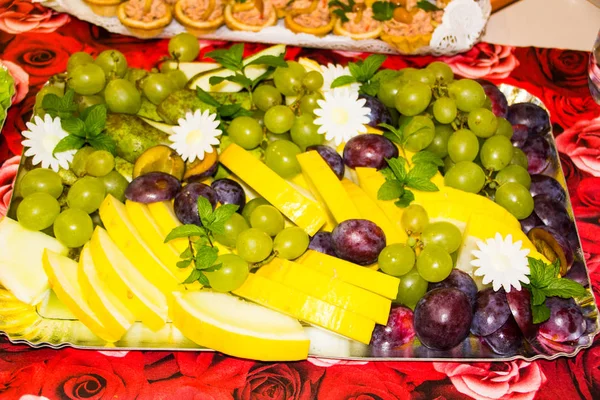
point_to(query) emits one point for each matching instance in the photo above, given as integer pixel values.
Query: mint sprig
(342, 9)
(544, 282)
(225, 112)
(384, 10)
(62, 107)
(362, 72)
(427, 6)
(201, 252)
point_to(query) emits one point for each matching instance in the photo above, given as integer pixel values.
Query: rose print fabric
(36, 43)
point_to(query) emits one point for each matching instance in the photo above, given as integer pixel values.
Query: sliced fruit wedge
(163, 214)
(303, 212)
(127, 283)
(21, 268)
(237, 328)
(306, 308)
(299, 183)
(191, 69)
(329, 289)
(98, 295)
(62, 275)
(125, 236)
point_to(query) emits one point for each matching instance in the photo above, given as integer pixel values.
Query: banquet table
(35, 43)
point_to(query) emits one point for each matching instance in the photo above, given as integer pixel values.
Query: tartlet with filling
(310, 16)
(104, 8)
(252, 15)
(200, 16)
(145, 18)
(356, 21)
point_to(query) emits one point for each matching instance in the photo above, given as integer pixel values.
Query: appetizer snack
(251, 15)
(310, 16)
(104, 8)
(355, 20)
(200, 16)
(145, 18)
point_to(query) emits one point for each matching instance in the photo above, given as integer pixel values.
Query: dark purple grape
(369, 151)
(544, 184)
(442, 318)
(229, 192)
(535, 118)
(578, 274)
(506, 340)
(520, 134)
(186, 202)
(552, 245)
(322, 243)
(379, 113)
(491, 312)
(332, 158)
(537, 150)
(459, 280)
(398, 331)
(498, 99)
(530, 222)
(519, 302)
(566, 321)
(358, 240)
(552, 213)
(152, 187)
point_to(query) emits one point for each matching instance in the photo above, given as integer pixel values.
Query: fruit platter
(272, 209)
(399, 26)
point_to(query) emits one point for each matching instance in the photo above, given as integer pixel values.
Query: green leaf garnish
(427, 6)
(62, 107)
(342, 8)
(342, 81)
(383, 10)
(363, 73)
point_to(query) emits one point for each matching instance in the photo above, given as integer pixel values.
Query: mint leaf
(184, 263)
(398, 168)
(66, 102)
(425, 156)
(203, 279)
(370, 88)
(74, 126)
(565, 288)
(536, 271)
(206, 98)
(213, 268)
(423, 171)
(540, 313)
(427, 6)
(383, 10)
(194, 276)
(394, 138)
(103, 142)
(342, 81)
(70, 142)
(51, 104)
(215, 80)
(228, 110)
(187, 253)
(407, 198)
(272, 61)
(231, 58)
(390, 190)
(537, 296)
(185, 231)
(239, 79)
(206, 257)
(394, 134)
(95, 120)
(222, 215)
(388, 174)
(385, 75)
(205, 209)
(341, 14)
(371, 65)
(422, 184)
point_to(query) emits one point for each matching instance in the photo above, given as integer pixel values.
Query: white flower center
(499, 261)
(49, 141)
(340, 116)
(193, 136)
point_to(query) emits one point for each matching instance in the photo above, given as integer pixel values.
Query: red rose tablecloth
(35, 43)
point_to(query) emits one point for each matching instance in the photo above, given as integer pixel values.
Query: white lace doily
(462, 26)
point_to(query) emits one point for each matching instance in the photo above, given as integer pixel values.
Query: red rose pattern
(33, 48)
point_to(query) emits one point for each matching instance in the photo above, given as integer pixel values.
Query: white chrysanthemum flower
(331, 72)
(341, 115)
(196, 135)
(501, 262)
(41, 139)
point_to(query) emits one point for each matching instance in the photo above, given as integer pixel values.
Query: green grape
(513, 173)
(112, 62)
(178, 78)
(305, 133)
(291, 243)
(482, 122)
(253, 245)
(434, 263)
(444, 110)
(496, 153)
(77, 59)
(38, 211)
(235, 225)
(122, 97)
(84, 102)
(463, 146)
(245, 132)
(504, 128)
(413, 98)
(232, 274)
(80, 159)
(259, 116)
(441, 71)
(396, 259)
(115, 184)
(279, 119)
(425, 76)
(466, 176)
(134, 75)
(388, 90)
(184, 47)
(519, 158)
(469, 94)
(308, 103)
(266, 96)
(41, 180)
(251, 206)
(516, 199)
(418, 133)
(280, 156)
(268, 219)
(157, 87)
(313, 80)
(289, 80)
(73, 227)
(444, 234)
(100, 163)
(448, 163)
(439, 144)
(87, 79)
(412, 287)
(414, 218)
(86, 194)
